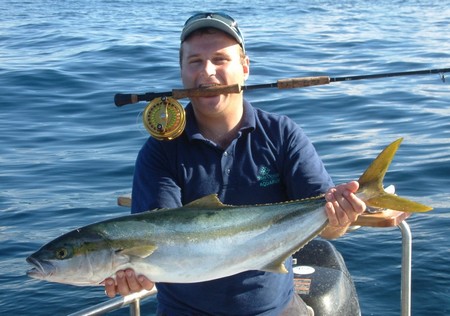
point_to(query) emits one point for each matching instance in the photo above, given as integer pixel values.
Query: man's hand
(126, 283)
(342, 208)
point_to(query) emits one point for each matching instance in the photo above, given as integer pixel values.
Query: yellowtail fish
(202, 240)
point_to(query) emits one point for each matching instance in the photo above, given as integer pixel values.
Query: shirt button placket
(227, 161)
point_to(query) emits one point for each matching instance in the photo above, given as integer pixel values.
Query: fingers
(131, 283)
(126, 283)
(122, 283)
(343, 206)
(110, 287)
(145, 283)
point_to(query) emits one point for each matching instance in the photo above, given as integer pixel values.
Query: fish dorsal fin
(141, 251)
(207, 201)
(276, 267)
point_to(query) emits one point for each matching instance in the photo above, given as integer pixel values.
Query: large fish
(202, 240)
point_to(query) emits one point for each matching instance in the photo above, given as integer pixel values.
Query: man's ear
(246, 67)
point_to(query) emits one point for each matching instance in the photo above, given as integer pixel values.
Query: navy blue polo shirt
(271, 160)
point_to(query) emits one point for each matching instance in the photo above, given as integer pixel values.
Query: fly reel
(164, 118)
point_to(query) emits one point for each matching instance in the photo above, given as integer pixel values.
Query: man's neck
(222, 129)
(222, 136)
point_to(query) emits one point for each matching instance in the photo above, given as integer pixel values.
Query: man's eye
(195, 61)
(220, 60)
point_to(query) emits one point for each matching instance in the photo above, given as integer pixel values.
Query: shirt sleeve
(154, 182)
(303, 170)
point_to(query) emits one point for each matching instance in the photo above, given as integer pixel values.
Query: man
(243, 154)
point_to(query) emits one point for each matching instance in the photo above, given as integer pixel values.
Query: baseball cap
(217, 20)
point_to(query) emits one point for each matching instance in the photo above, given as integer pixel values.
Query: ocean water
(67, 152)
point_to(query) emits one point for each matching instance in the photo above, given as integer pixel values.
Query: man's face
(210, 59)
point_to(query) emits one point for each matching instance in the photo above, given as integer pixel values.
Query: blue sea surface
(67, 152)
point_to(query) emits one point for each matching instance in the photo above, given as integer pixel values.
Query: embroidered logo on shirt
(265, 178)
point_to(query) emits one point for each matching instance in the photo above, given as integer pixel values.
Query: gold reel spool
(164, 118)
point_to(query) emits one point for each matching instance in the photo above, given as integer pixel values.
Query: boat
(321, 277)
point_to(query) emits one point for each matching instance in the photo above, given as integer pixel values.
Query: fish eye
(61, 253)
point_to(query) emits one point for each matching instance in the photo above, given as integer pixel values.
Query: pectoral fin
(141, 251)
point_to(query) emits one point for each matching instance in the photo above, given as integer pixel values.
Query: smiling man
(242, 154)
(211, 57)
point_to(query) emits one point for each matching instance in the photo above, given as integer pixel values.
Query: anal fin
(275, 267)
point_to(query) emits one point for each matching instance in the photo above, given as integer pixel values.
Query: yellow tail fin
(371, 185)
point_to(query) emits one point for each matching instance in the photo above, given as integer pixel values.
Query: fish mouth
(41, 268)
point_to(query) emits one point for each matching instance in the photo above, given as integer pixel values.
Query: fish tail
(371, 185)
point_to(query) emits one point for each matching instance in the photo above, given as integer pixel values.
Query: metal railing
(134, 300)
(406, 268)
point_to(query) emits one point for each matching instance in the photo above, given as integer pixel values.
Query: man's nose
(209, 68)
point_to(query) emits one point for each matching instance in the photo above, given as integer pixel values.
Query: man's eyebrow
(215, 54)
(221, 54)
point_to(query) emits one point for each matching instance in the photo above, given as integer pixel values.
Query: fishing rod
(164, 116)
(123, 99)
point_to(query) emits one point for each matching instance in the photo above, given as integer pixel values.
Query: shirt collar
(192, 131)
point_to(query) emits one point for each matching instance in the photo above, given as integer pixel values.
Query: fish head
(80, 257)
